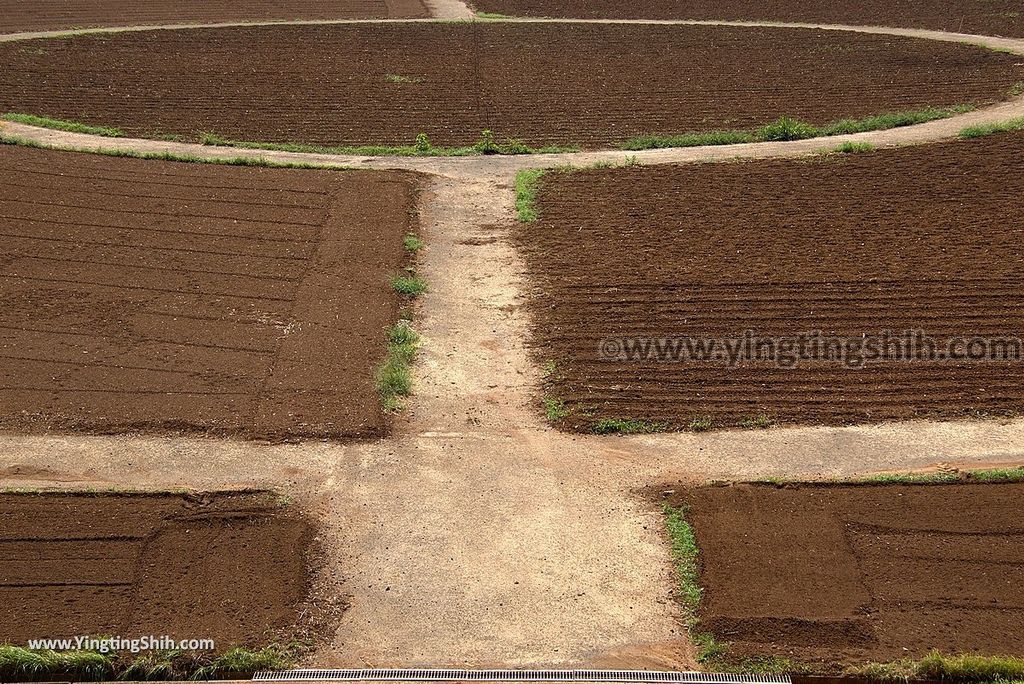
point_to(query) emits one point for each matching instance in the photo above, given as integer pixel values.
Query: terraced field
(145, 295)
(48, 15)
(981, 17)
(180, 566)
(848, 574)
(573, 84)
(925, 238)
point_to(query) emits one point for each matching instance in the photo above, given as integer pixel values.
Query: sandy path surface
(476, 535)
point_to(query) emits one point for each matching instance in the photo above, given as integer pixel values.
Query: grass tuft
(701, 424)
(492, 16)
(555, 409)
(628, 426)
(854, 148)
(527, 184)
(410, 285)
(758, 422)
(412, 243)
(61, 125)
(394, 377)
(401, 78)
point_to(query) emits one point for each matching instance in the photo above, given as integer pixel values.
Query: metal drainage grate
(516, 676)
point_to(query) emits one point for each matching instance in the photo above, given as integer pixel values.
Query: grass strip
(786, 128)
(938, 666)
(394, 378)
(61, 125)
(19, 664)
(990, 129)
(487, 144)
(527, 185)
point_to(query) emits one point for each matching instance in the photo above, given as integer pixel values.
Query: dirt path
(476, 535)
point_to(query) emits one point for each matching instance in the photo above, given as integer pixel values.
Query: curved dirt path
(475, 535)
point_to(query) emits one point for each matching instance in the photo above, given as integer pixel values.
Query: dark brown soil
(842, 574)
(46, 15)
(232, 568)
(156, 296)
(981, 17)
(920, 238)
(589, 85)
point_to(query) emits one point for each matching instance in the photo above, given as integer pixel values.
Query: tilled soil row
(836, 575)
(141, 295)
(49, 15)
(980, 17)
(926, 239)
(569, 84)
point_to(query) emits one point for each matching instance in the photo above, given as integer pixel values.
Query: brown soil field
(48, 15)
(233, 568)
(980, 17)
(925, 238)
(841, 574)
(589, 85)
(173, 297)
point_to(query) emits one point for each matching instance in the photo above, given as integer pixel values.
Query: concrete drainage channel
(517, 676)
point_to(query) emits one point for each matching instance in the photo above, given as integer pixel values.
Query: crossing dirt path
(476, 535)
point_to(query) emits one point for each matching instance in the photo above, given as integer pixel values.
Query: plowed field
(141, 295)
(860, 573)
(589, 85)
(981, 17)
(928, 238)
(46, 15)
(231, 567)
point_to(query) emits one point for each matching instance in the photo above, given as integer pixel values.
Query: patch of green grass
(990, 129)
(527, 185)
(412, 243)
(628, 426)
(854, 148)
(786, 128)
(394, 377)
(758, 422)
(19, 664)
(555, 409)
(938, 666)
(550, 369)
(410, 285)
(487, 144)
(400, 78)
(1016, 90)
(701, 424)
(492, 16)
(60, 125)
